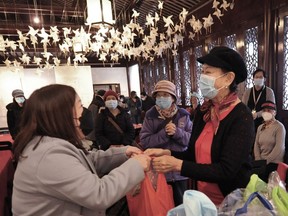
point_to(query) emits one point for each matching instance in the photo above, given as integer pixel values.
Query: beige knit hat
(165, 86)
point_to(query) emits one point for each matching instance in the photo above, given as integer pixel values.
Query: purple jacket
(153, 135)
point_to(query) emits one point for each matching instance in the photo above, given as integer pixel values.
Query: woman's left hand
(131, 151)
(170, 128)
(166, 163)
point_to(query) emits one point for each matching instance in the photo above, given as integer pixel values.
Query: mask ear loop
(222, 86)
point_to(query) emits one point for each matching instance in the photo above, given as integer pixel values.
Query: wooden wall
(266, 14)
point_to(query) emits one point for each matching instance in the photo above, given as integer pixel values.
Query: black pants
(120, 208)
(179, 187)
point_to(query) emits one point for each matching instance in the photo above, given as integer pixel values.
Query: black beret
(228, 59)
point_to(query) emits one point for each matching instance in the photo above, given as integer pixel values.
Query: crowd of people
(213, 142)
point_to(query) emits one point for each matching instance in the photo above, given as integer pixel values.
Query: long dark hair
(48, 112)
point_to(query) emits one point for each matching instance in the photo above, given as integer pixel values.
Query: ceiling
(19, 14)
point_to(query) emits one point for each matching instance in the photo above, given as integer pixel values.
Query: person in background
(134, 106)
(122, 102)
(14, 112)
(147, 103)
(87, 127)
(218, 156)
(254, 97)
(270, 139)
(195, 101)
(113, 124)
(55, 175)
(167, 126)
(96, 103)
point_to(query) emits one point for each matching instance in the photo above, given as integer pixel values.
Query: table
(6, 177)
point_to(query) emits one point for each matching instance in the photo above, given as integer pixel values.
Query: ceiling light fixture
(36, 20)
(100, 12)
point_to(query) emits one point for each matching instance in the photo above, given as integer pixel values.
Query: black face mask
(86, 121)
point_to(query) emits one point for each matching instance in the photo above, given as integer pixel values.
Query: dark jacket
(148, 103)
(231, 146)
(105, 132)
(134, 106)
(14, 112)
(94, 107)
(96, 104)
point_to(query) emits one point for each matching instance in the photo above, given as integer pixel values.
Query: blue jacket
(153, 135)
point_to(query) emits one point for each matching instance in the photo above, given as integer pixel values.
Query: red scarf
(213, 109)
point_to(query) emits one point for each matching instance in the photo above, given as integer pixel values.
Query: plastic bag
(272, 192)
(274, 181)
(256, 209)
(195, 203)
(255, 184)
(280, 200)
(151, 201)
(234, 205)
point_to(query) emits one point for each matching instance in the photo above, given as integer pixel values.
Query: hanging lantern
(99, 12)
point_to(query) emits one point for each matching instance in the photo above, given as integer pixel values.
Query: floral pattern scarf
(213, 109)
(169, 113)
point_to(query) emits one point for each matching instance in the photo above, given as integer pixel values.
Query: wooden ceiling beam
(44, 10)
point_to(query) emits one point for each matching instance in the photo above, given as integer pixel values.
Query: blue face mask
(111, 104)
(20, 100)
(163, 102)
(207, 87)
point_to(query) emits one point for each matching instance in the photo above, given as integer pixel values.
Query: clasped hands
(170, 128)
(161, 159)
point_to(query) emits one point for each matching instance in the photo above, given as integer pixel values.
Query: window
(163, 69)
(230, 41)
(198, 54)
(187, 77)
(177, 77)
(251, 54)
(211, 45)
(285, 72)
(157, 74)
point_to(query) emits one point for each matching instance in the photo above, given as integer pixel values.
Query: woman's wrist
(178, 165)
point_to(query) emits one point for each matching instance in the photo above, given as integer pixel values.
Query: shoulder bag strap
(165, 122)
(115, 125)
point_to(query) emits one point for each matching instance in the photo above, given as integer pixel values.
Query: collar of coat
(153, 113)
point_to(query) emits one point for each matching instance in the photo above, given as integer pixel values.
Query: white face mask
(207, 87)
(259, 82)
(111, 104)
(267, 116)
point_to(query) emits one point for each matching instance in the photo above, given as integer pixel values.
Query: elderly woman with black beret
(218, 156)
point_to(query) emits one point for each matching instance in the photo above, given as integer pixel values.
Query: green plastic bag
(280, 200)
(255, 185)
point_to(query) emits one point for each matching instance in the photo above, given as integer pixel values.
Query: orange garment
(203, 156)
